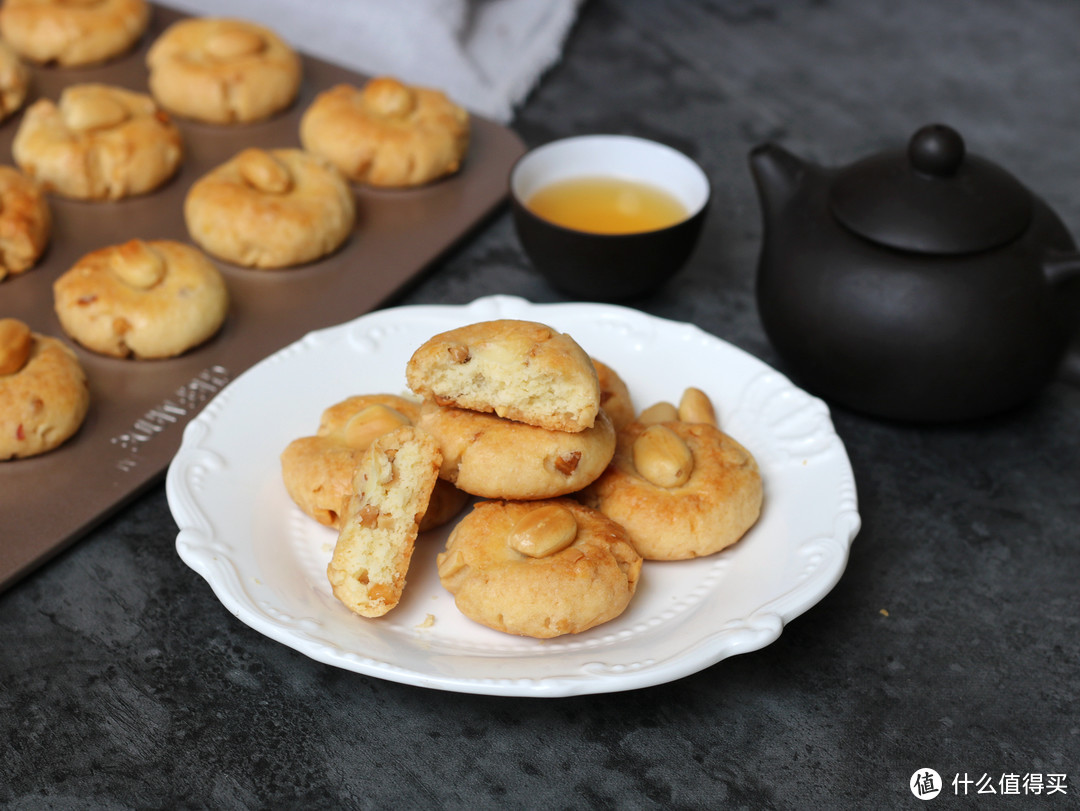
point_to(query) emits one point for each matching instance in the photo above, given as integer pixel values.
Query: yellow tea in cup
(606, 205)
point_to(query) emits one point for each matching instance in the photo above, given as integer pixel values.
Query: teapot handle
(1070, 366)
(1059, 268)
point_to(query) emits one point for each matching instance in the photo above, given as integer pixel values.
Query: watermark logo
(925, 784)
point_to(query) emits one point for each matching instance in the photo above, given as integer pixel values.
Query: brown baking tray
(139, 408)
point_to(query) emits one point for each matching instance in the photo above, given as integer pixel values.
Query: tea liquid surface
(606, 205)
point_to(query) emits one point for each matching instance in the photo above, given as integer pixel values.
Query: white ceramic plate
(266, 561)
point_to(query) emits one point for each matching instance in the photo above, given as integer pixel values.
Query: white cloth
(487, 55)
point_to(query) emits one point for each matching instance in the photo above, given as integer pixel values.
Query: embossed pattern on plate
(266, 561)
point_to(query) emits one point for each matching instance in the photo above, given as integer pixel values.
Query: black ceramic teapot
(922, 284)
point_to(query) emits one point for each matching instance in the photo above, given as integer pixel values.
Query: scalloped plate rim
(758, 629)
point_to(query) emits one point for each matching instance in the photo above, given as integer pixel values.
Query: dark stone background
(951, 642)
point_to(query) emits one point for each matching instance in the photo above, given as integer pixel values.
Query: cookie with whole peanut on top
(44, 396)
(681, 486)
(387, 133)
(142, 299)
(272, 208)
(73, 34)
(539, 568)
(223, 71)
(98, 142)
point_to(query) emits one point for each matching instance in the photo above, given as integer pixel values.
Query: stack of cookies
(572, 488)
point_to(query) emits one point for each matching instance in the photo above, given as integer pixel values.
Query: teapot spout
(778, 175)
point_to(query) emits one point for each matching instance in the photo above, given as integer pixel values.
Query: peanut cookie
(391, 489)
(615, 396)
(222, 71)
(271, 209)
(493, 457)
(72, 33)
(318, 470)
(14, 81)
(25, 222)
(44, 396)
(539, 569)
(681, 489)
(520, 370)
(152, 299)
(387, 133)
(98, 142)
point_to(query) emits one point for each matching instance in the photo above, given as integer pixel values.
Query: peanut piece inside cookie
(544, 531)
(15, 343)
(567, 463)
(459, 352)
(662, 458)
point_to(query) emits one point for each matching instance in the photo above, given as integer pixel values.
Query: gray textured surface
(125, 684)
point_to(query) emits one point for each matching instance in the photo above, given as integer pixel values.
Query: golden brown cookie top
(493, 457)
(15, 343)
(222, 70)
(270, 208)
(682, 489)
(318, 470)
(218, 43)
(98, 141)
(357, 420)
(539, 569)
(147, 299)
(615, 396)
(387, 133)
(286, 174)
(73, 32)
(553, 534)
(85, 109)
(25, 221)
(44, 395)
(520, 370)
(680, 457)
(14, 81)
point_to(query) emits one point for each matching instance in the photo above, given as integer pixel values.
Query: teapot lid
(931, 197)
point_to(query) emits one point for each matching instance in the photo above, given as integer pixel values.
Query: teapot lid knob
(934, 197)
(936, 150)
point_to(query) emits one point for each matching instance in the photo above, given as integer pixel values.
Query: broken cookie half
(391, 490)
